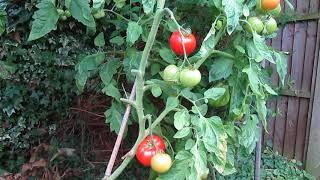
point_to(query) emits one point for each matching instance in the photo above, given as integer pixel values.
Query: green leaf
(200, 162)
(172, 102)
(249, 133)
(167, 55)
(155, 68)
(86, 66)
(178, 171)
(99, 40)
(45, 20)
(221, 68)
(134, 31)
(97, 5)
(6, 69)
(214, 93)
(114, 116)
(131, 61)
(253, 80)
(80, 10)
(233, 11)
(189, 144)
(156, 91)
(203, 108)
(269, 89)
(282, 66)
(262, 111)
(148, 5)
(118, 40)
(182, 133)
(108, 70)
(215, 140)
(184, 155)
(262, 47)
(119, 3)
(3, 20)
(112, 91)
(181, 119)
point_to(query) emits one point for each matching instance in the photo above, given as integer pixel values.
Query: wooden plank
(311, 43)
(313, 155)
(280, 122)
(297, 93)
(314, 7)
(296, 75)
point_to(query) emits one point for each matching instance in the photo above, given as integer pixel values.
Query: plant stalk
(139, 89)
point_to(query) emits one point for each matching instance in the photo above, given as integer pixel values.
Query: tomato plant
(138, 33)
(150, 146)
(177, 41)
(161, 162)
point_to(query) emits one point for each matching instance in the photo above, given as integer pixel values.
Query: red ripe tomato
(269, 4)
(190, 43)
(148, 148)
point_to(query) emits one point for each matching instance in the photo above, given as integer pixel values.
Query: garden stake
(257, 166)
(121, 132)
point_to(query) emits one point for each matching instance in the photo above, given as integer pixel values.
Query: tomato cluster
(188, 77)
(63, 14)
(267, 25)
(150, 152)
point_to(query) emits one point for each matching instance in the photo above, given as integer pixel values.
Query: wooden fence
(289, 130)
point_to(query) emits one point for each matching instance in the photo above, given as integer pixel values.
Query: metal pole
(257, 167)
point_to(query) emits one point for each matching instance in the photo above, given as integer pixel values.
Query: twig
(82, 110)
(121, 132)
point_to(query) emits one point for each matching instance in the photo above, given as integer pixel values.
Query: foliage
(274, 166)
(36, 85)
(131, 45)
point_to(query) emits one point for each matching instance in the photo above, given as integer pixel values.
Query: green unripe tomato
(171, 73)
(237, 115)
(67, 13)
(271, 25)
(222, 101)
(190, 77)
(219, 25)
(276, 12)
(99, 14)
(60, 12)
(256, 25)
